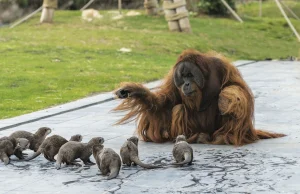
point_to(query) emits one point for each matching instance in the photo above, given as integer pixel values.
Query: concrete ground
(268, 166)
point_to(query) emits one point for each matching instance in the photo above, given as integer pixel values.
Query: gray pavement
(268, 166)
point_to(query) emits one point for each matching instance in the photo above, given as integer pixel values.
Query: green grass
(269, 9)
(46, 65)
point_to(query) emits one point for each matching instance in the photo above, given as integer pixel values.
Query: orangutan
(203, 97)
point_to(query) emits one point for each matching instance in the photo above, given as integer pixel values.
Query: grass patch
(46, 65)
(269, 9)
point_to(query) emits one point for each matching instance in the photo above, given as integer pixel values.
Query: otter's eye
(189, 75)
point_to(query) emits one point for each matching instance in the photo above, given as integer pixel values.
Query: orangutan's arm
(138, 100)
(138, 95)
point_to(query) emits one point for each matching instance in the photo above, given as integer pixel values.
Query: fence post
(260, 8)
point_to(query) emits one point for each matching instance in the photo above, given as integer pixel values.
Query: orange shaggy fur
(166, 113)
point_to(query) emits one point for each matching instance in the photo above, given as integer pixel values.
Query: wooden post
(291, 11)
(151, 7)
(173, 25)
(288, 20)
(48, 11)
(260, 8)
(120, 6)
(177, 15)
(184, 23)
(232, 11)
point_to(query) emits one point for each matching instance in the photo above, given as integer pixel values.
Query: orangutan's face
(188, 78)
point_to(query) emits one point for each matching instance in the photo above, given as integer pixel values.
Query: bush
(215, 7)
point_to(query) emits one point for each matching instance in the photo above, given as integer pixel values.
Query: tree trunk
(48, 11)
(184, 23)
(177, 15)
(151, 7)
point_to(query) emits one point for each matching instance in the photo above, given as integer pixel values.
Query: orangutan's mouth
(189, 94)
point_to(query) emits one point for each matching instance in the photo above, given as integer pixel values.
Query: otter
(182, 151)
(35, 140)
(73, 150)
(9, 145)
(108, 161)
(130, 154)
(51, 146)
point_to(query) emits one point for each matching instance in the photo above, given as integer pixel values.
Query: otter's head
(23, 143)
(180, 138)
(43, 131)
(76, 137)
(134, 139)
(96, 141)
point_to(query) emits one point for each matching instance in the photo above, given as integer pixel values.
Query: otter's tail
(187, 159)
(58, 161)
(113, 173)
(34, 155)
(138, 162)
(268, 135)
(4, 158)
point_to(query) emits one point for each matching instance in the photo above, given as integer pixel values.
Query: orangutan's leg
(234, 102)
(236, 107)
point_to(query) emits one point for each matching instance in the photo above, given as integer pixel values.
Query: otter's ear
(212, 87)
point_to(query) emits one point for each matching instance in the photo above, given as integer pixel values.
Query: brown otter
(9, 145)
(182, 151)
(35, 139)
(51, 146)
(108, 161)
(130, 154)
(73, 150)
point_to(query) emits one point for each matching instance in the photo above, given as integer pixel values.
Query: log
(184, 23)
(48, 11)
(120, 6)
(173, 25)
(47, 15)
(260, 8)
(151, 7)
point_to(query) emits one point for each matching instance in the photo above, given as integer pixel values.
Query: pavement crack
(119, 186)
